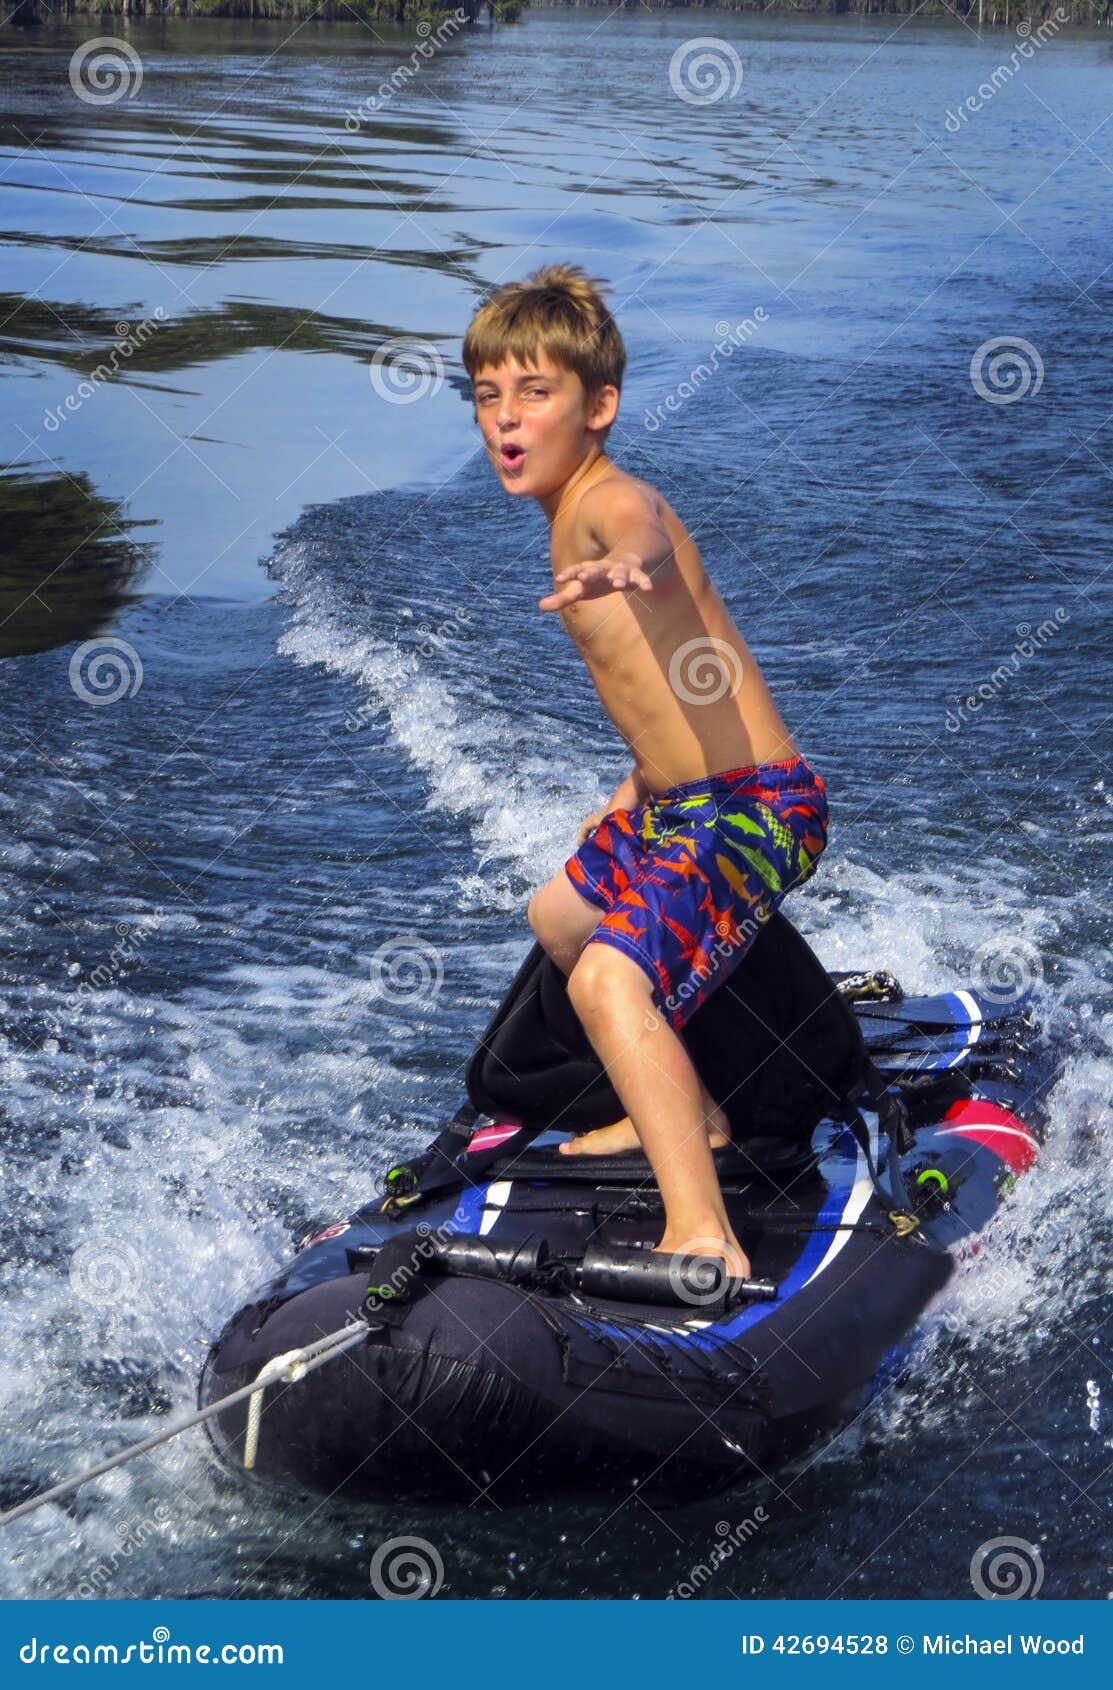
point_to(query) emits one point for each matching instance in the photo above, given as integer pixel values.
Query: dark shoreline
(1096, 14)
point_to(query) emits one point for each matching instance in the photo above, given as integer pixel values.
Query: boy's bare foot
(619, 1136)
(711, 1243)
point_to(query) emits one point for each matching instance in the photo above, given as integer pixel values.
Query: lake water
(353, 730)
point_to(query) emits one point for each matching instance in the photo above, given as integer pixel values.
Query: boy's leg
(653, 1075)
(622, 1135)
(562, 921)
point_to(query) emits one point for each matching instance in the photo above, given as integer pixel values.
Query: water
(257, 909)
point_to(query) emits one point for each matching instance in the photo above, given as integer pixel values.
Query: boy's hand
(618, 572)
(589, 824)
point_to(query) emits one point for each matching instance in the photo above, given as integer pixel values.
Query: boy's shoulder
(619, 494)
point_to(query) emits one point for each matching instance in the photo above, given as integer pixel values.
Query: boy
(720, 815)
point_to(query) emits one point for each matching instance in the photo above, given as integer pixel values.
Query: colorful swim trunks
(687, 879)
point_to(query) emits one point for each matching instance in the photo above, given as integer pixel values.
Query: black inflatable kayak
(521, 1337)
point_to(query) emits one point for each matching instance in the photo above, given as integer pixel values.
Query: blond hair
(559, 311)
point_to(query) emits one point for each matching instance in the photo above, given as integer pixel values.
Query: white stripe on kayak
(985, 1127)
(860, 1193)
(493, 1202)
(970, 1005)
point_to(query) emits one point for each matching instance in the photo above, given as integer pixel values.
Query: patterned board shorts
(687, 879)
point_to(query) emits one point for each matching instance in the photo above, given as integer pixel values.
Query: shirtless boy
(720, 815)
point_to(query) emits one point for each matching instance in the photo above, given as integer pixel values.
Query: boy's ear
(604, 407)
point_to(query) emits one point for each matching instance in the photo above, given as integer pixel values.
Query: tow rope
(288, 1368)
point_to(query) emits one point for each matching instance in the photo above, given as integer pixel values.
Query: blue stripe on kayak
(713, 1337)
(805, 1265)
(468, 1217)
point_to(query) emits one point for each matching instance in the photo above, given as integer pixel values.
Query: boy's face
(537, 422)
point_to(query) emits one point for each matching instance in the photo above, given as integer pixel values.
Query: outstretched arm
(635, 543)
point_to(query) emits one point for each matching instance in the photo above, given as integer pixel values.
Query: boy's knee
(600, 974)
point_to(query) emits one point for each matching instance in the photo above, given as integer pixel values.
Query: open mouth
(511, 456)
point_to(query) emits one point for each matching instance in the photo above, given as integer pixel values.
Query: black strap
(874, 1091)
(448, 1164)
